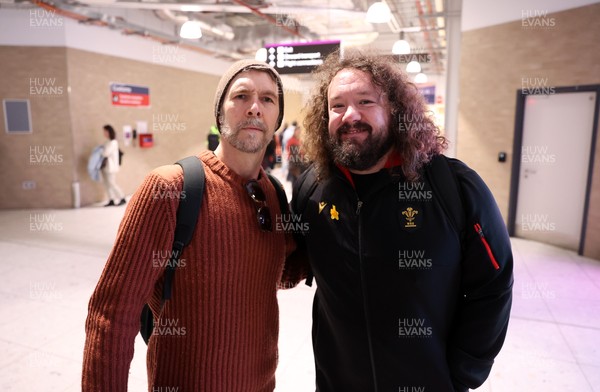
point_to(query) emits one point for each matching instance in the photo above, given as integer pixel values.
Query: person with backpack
(217, 330)
(411, 257)
(110, 168)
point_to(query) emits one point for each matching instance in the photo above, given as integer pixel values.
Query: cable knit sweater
(219, 331)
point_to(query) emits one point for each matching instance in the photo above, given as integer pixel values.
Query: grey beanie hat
(241, 66)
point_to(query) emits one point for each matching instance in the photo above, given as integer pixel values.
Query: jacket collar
(394, 160)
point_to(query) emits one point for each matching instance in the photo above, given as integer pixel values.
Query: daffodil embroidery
(335, 215)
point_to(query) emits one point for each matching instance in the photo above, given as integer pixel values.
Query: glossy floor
(51, 260)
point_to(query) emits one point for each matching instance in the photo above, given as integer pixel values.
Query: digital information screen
(297, 58)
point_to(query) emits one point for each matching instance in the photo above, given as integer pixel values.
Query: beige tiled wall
(46, 155)
(180, 115)
(493, 62)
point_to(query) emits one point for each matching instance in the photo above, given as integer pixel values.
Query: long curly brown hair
(416, 137)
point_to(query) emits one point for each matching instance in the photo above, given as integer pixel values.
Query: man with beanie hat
(219, 330)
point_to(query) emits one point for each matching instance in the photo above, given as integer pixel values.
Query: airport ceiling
(234, 29)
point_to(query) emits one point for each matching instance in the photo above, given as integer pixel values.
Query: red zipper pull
(479, 231)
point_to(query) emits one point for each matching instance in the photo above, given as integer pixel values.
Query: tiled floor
(50, 262)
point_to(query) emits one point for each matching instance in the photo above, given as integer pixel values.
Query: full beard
(359, 156)
(250, 142)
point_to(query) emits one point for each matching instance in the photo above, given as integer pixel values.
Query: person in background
(213, 138)
(297, 162)
(219, 330)
(279, 133)
(278, 144)
(270, 157)
(287, 134)
(413, 291)
(285, 137)
(110, 168)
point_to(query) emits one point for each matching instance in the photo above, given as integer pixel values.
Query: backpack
(443, 181)
(187, 218)
(441, 177)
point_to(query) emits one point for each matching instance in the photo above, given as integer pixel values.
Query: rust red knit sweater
(219, 331)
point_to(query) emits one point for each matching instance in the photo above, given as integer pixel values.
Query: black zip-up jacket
(404, 302)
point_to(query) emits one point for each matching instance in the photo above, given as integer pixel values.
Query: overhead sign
(300, 57)
(129, 95)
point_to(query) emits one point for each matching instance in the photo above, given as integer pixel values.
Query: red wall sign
(129, 95)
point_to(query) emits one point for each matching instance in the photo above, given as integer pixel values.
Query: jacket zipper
(365, 297)
(479, 231)
(358, 206)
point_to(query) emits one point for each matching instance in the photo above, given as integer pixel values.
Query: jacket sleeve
(486, 284)
(125, 285)
(296, 266)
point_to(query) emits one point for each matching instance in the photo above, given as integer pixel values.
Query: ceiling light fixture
(401, 46)
(190, 30)
(261, 55)
(420, 78)
(379, 12)
(413, 67)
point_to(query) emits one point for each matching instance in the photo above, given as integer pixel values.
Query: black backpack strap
(444, 183)
(283, 202)
(305, 190)
(187, 218)
(187, 215)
